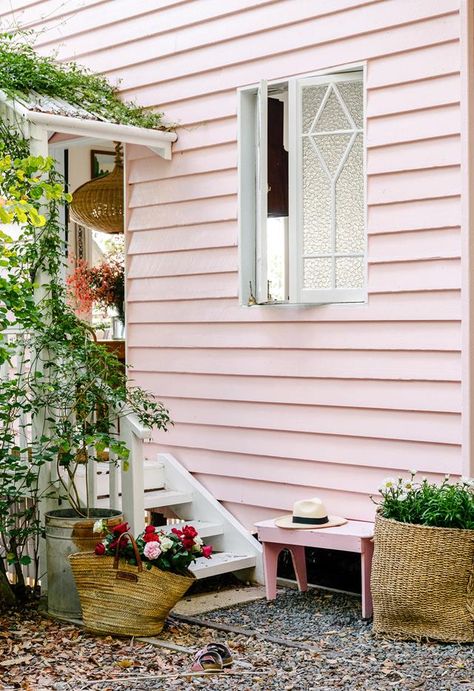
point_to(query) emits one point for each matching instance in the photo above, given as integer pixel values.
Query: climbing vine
(22, 70)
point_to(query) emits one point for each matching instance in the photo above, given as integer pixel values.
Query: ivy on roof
(23, 70)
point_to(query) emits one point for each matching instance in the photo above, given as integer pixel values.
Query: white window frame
(252, 117)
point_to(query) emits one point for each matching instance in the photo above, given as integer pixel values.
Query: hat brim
(287, 522)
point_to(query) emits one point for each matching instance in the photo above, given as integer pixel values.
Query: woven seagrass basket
(126, 600)
(98, 203)
(423, 582)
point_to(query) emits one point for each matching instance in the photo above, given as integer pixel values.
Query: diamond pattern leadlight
(333, 191)
(332, 148)
(312, 99)
(350, 202)
(317, 223)
(352, 94)
(332, 116)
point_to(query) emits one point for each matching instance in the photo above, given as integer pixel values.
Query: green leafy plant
(59, 405)
(444, 505)
(22, 70)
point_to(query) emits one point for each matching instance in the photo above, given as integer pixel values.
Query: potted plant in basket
(423, 568)
(128, 586)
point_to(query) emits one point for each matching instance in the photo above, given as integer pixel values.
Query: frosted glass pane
(312, 99)
(350, 272)
(332, 148)
(332, 116)
(318, 273)
(350, 202)
(352, 95)
(316, 204)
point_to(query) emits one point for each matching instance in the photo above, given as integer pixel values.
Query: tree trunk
(7, 598)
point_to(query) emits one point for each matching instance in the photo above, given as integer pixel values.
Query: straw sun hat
(309, 513)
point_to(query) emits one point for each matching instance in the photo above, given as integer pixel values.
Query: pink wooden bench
(353, 536)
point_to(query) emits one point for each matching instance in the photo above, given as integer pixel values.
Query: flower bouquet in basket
(423, 567)
(128, 586)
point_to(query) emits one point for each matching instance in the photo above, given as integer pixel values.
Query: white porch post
(39, 147)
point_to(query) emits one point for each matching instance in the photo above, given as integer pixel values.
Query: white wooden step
(204, 528)
(157, 499)
(221, 562)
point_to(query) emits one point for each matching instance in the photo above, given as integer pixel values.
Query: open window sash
(327, 240)
(261, 261)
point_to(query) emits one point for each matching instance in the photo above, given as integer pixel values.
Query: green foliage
(22, 70)
(65, 385)
(445, 505)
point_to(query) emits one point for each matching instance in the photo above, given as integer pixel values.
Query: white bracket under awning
(55, 115)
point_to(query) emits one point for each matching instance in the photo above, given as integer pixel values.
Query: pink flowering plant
(173, 550)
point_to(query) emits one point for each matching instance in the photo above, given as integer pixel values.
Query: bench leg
(299, 564)
(270, 562)
(366, 568)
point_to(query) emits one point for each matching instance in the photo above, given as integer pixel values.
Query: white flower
(389, 483)
(446, 477)
(408, 485)
(413, 472)
(468, 481)
(152, 550)
(402, 496)
(198, 540)
(166, 544)
(99, 526)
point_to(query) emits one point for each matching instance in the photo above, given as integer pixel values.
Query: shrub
(445, 505)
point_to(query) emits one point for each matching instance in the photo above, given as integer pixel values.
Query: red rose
(123, 539)
(177, 532)
(100, 548)
(189, 531)
(119, 529)
(188, 543)
(150, 529)
(151, 537)
(207, 551)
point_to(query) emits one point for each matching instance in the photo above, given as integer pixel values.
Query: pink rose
(152, 550)
(207, 551)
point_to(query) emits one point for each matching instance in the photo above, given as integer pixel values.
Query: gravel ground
(323, 645)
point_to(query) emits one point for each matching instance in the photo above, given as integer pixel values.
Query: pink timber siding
(271, 405)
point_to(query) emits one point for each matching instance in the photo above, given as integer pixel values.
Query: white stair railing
(133, 433)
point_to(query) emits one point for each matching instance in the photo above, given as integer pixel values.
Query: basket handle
(135, 549)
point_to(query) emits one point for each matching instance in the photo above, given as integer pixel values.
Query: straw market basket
(423, 582)
(121, 599)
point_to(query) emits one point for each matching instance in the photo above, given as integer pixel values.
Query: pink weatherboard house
(299, 259)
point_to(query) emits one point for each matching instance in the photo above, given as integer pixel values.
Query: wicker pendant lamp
(98, 204)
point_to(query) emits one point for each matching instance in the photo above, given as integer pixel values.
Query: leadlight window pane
(318, 273)
(333, 186)
(317, 222)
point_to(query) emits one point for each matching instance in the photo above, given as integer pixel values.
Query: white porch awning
(55, 115)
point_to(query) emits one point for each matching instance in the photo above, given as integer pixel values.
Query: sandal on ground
(222, 650)
(207, 661)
